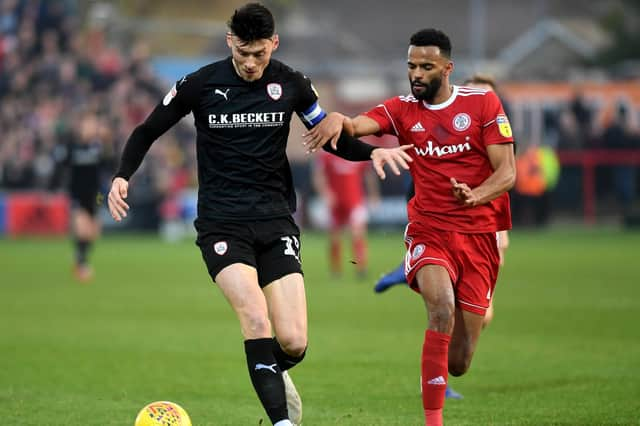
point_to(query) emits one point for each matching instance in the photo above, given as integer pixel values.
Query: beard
(429, 92)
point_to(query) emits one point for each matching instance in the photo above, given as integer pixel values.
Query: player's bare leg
(239, 284)
(437, 291)
(488, 316)
(358, 229)
(85, 231)
(288, 307)
(464, 340)
(335, 251)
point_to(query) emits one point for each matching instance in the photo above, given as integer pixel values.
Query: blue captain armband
(313, 115)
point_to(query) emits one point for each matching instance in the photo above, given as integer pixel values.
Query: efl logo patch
(274, 90)
(503, 126)
(220, 247)
(417, 251)
(461, 121)
(169, 96)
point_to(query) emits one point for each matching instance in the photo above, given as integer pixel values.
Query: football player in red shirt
(340, 183)
(397, 276)
(463, 165)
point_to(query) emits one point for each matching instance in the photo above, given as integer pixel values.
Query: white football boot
(294, 403)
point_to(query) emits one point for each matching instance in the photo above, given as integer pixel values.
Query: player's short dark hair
(481, 79)
(252, 22)
(432, 37)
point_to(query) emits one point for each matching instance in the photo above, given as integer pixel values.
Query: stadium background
(564, 347)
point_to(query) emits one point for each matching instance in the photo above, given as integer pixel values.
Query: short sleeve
(495, 128)
(307, 105)
(384, 114)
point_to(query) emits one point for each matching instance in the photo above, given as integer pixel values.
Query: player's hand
(117, 207)
(463, 193)
(396, 158)
(328, 129)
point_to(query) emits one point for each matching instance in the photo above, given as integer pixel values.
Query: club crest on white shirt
(274, 90)
(220, 247)
(461, 121)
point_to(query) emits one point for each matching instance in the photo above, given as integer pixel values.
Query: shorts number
(292, 246)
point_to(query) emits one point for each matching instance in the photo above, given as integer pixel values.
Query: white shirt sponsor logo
(246, 119)
(439, 151)
(417, 127)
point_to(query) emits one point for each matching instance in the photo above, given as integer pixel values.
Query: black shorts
(87, 203)
(271, 246)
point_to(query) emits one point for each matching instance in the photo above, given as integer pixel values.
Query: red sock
(360, 252)
(435, 360)
(335, 256)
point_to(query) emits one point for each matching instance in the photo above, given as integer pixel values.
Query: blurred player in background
(340, 184)
(463, 165)
(85, 158)
(397, 276)
(242, 106)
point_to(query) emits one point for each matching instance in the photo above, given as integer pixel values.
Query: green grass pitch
(564, 347)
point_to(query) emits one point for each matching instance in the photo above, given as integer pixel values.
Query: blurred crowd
(58, 71)
(53, 75)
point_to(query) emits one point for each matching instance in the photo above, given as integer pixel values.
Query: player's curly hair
(432, 37)
(252, 22)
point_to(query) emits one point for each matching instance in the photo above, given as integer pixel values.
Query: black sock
(82, 250)
(284, 360)
(266, 377)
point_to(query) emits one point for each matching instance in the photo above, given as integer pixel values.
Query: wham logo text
(439, 151)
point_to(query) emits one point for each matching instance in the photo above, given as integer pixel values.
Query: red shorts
(348, 214)
(472, 261)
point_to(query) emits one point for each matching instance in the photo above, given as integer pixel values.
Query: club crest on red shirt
(461, 121)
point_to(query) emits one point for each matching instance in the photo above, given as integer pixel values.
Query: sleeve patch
(503, 126)
(169, 96)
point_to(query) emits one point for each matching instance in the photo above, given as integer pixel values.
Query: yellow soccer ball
(163, 413)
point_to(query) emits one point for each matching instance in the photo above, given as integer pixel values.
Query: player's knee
(457, 367)
(293, 344)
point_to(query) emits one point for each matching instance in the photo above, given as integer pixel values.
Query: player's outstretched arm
(118, 193)
(330, 128)
(353, 149)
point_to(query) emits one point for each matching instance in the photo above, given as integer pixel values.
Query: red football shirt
(450, 140)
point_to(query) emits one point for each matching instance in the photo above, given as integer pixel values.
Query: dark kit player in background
(242, 107)
(85, 158)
